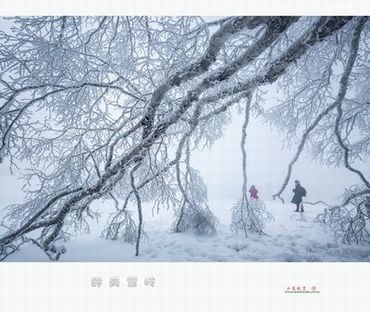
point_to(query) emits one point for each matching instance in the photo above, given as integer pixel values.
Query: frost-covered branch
(344, 82)
(344, 85)
(248, 215)
(99, 105)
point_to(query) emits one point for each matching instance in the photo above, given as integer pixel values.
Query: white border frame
(54, 287)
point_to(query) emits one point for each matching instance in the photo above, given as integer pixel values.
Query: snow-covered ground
(291, 237)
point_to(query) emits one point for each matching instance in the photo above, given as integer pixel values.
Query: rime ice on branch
(96, 105)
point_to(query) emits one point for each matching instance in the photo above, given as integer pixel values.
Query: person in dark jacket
(253, 192)
(299, 191)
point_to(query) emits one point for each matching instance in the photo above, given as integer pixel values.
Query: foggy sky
(267, 166)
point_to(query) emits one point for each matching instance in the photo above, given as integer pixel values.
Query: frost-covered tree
(328, 108)
(112, 107)
(248, 216)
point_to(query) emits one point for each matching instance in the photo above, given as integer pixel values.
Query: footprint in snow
(237, 247)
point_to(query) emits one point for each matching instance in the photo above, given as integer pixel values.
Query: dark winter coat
(299, 192)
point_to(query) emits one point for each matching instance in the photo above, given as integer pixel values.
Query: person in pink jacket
(253, 192)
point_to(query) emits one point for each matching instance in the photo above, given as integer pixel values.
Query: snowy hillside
(291, 237)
